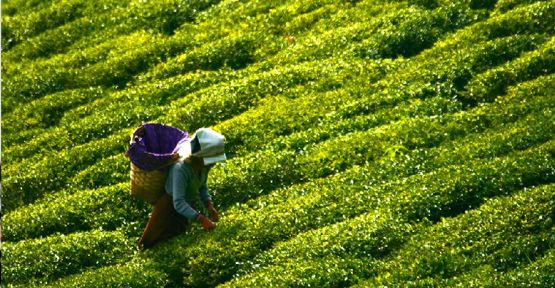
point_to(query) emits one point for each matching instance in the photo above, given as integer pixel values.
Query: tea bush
(137, 273)
(526, 19)
(425, 162)
(335, 208)
(503, 6)
(143, 109)
(276, 169)
(47, 76)
(410, 31)
(90, 121)
(344, 240)
(19, 27)
(234, 51)
(537, 273)
(55, 256)
(495, 81)
(103, 122)
(113, 71)
(106, 208)
(33, 178)
(296, 109)
(510, 222)
(369, 143)
(17, 6)
(92, 147)
(106, 24)
(420, 197)
(44, 113)
(237, 96)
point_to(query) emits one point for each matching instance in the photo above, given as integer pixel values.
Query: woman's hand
(205, 222)
(214, 216)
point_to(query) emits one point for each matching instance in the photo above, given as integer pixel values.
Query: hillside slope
(370, 143)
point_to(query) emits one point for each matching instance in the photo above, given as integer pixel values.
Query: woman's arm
(177, 183)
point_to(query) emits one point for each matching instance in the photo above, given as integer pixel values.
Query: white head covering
(211, 146)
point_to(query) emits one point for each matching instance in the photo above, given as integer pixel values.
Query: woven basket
(147, 185)
(148, 181)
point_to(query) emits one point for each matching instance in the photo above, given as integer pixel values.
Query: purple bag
(153, 144)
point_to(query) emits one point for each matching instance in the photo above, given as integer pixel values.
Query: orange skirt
(164, 223)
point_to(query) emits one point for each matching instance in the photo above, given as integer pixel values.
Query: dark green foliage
(482, 4)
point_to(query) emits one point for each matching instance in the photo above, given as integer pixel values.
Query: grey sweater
(187, 189)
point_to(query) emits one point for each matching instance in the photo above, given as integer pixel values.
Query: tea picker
(169, 170)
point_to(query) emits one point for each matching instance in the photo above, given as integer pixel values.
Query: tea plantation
(370, 143)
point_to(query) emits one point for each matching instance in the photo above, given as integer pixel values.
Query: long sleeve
(176, 185)
(203, 189)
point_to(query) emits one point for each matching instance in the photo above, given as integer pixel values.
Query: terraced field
(370, 143)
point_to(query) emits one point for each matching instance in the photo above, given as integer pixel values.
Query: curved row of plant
(35, 177)
(100, 25)
(46, 76)
(442, 193)
(411, 168)
(151, 101)
(506, 233)
(141, 115)
(48, 217)
(248, 218)
(263, 171)
(93, 65)
(136, 273)
(107, 208)
(19, 27)
(115, 165)
(13, 7)
(114, 169)
(388, 93)
(270, 41)
(106, 129)
(523, 58)
(96, 60)
(527, 19)
(498, 140)
(333, 33)
(29, 81)
(47, 259)
(259, 37)
(47, 177)
(246, 91)
(377, 245)
(30, 120)
(256, 86)
(539, 272)
(61, 180)
(256, 239)
(503, 45)
(90, 121)
(334, 207)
